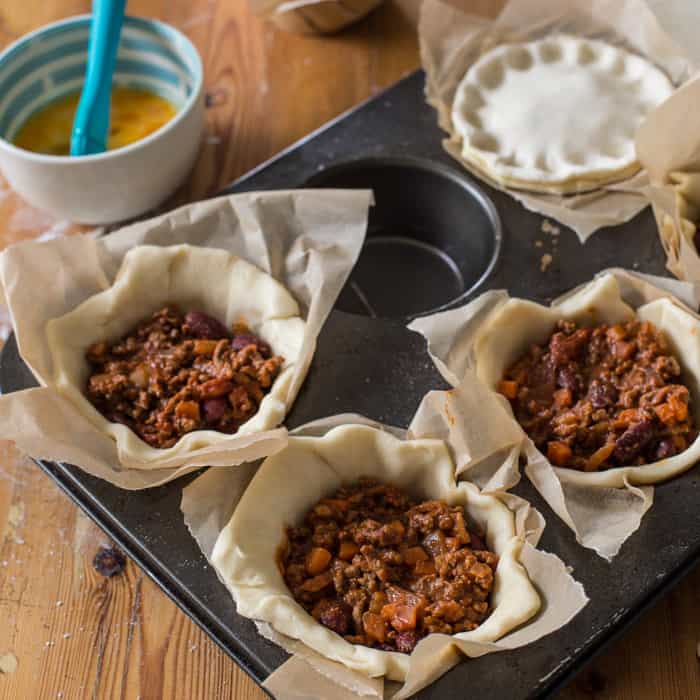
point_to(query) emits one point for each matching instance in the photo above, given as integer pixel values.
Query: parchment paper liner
(308, 240)
(313, 16)
(209, 502)
(474, 344)
(668, 145)
(451, 40)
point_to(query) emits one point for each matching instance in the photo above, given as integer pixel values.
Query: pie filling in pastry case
(357, 544)
(334, 561)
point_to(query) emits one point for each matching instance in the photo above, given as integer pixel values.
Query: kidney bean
(664, 450)
(202, 325)
(406, 641)
(244, 339)
(634, 440)
(602, 394)
(477, 542)
(214, 409)
(334, 614)
(568, 379)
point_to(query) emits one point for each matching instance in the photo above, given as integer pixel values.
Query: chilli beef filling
(602, 397)
(384, 571)
(177, 373)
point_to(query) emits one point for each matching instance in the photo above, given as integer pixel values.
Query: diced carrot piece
(558, 453)
(616, 332)
(680, 408)
(414, 554)
(666, 413)
(508, 388)
(205, 347)
(317, 560)
(375, 627)
(187, 409)
(347, 550)
(563, 398)
(424, 568)
(598, 457)
(318, 583)
(624, 350)
(626, 418)
(460, 529)
(401, 617)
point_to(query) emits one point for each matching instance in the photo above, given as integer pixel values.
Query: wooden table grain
(78, 635)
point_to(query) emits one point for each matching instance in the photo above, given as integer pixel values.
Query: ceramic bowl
(50, 63)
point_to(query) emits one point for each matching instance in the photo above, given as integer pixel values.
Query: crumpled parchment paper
(309, 240)
(668, 145)
(209, 501)
(451, 40)
(601, 516)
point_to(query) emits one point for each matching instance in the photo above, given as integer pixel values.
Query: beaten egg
(134, 114)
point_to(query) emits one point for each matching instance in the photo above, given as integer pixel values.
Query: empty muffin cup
(433, 236)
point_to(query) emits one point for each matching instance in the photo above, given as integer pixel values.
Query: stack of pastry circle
(556, 115)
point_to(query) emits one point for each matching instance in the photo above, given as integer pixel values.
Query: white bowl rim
(124, 150)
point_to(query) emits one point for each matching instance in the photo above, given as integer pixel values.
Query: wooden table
(78, 635)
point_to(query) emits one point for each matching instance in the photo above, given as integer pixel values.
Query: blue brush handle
(91, 123)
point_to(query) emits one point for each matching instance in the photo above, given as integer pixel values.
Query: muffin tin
(453, 246)
(431, 234)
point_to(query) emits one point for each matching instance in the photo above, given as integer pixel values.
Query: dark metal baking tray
(378, 368)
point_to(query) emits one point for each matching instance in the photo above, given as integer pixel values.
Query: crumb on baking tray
(545, 262)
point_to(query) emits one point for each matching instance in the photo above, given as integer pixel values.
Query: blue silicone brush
(91, 123)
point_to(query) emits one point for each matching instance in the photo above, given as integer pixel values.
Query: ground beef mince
(384, 571)
(177, 373)
(596, 398)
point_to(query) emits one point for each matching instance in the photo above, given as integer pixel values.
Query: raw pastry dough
(517, 323)
(556, 115)
(193, 278)
(309, 468)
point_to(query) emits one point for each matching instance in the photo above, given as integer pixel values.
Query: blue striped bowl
(50, 63)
